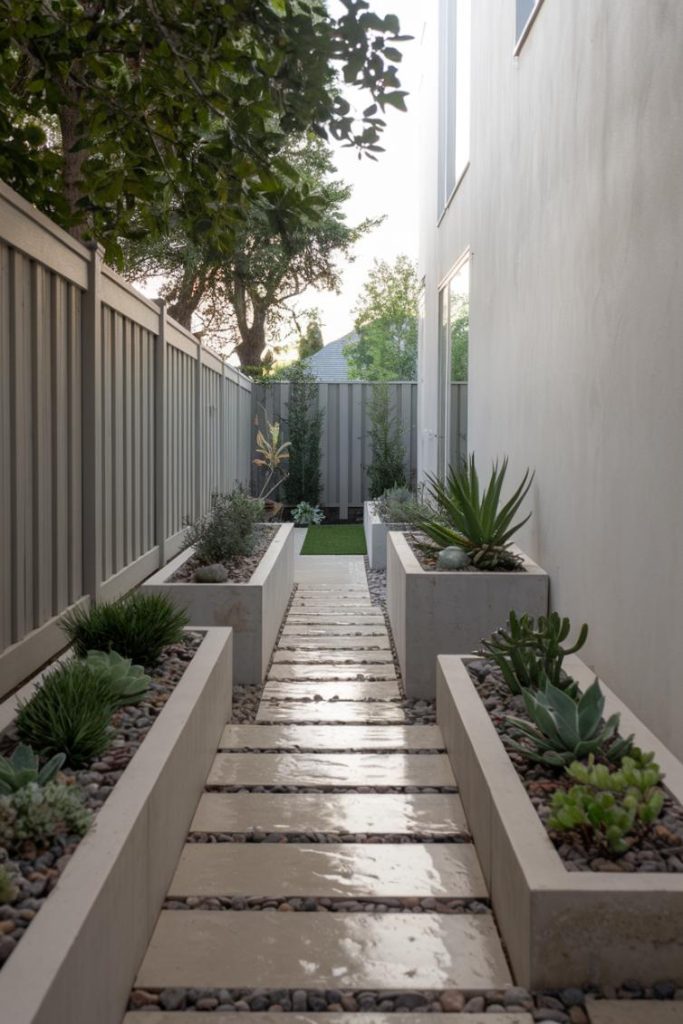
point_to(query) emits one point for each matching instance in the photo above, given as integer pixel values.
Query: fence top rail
(26, 229)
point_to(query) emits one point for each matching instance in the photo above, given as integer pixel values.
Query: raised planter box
(434, 613)
(376, 533)
(255, 610)
(78, 960)
(560, 927)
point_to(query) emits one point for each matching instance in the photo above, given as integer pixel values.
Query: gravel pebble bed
(660, 850)
(563, 1006)
(257, 836)
(36, 871)
(333, 905)
(240, 570)
(428, 561)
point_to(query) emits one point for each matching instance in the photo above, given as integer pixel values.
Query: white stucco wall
(573, 208)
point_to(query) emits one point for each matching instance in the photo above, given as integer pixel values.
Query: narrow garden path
(329, 866)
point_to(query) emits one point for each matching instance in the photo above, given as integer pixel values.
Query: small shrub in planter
(399, 505)
(226, 531)
(137, 626)
(69, 713)
(39, 813)
(307, 515)
(474, 520)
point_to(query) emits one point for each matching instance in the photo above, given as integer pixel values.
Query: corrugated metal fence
(115, 425)
(346, 450)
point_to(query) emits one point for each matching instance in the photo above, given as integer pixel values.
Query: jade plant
(529, 651)
(476, 520)
(23, 767)
(562, 729)
(610, 809)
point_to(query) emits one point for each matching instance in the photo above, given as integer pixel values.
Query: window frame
(524, 34)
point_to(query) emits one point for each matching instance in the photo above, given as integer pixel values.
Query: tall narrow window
(454, 324)
(454, 95)
(525, 12)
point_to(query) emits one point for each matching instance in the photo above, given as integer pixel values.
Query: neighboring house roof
(329, 364)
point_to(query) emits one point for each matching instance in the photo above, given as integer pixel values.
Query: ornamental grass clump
(138, 626)
(69, 713)
(477, 521)
(610, 809)
(528, 652)
(562, 729)
(227, 531)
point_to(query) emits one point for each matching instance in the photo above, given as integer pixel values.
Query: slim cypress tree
(304, 430)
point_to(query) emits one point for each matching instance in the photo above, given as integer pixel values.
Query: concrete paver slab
(348, 870)
(430, 814)
(634, 1011)
(392, 951)
(367, 712)
(342, 770)
(332, 570)
(160, 1017)
(332, 673)
(328, 689)
(333, 657)
(333, 737)
(372, 629)
(331, 618)
(294, 642)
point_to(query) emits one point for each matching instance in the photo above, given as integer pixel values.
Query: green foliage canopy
(386, 324)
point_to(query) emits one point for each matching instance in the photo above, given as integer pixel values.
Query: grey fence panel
(115, 426)
(346, 450)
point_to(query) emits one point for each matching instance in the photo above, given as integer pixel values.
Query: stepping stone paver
(378, 629)
(379, 642)
(429, 814)
(333, 673)
(160, 1017)
(634, 1011)
(333, 657)
(333, 737)
(348, 870)
(342, 770)
(365, 951)
(328, 689)
(369, 712)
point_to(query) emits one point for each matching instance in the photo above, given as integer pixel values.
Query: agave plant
(270, 456)
(23, 767)
(562, 730)
(122, 681)
(475, 520)
(529, 651)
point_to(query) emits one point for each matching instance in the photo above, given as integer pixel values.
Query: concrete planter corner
(255, 610)
(560, 927)
(434, 613)
(376, 533)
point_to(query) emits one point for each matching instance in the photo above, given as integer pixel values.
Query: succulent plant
(39, 813)
(562, 729)
(528, 652)
(216, 573)
(609, 806)
(8, 890)
(124, 682)
(476, 522)
(307, 515)
(24, 767)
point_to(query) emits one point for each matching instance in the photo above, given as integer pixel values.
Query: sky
(388, 187)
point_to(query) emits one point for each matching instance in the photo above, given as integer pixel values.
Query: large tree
(386, 324)
(234, 300)
(111, 110)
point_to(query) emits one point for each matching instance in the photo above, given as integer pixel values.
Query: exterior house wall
(573, 209)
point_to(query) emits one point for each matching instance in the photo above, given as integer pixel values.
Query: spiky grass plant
(473, 519)
(137, 626)
(69, 713)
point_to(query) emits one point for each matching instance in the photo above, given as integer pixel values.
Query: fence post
(160, 399)
(91, 407)
(222, 421)
(198, 434)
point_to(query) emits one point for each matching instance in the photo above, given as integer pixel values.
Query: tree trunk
(185, 297)
(252, 345)
(72, 170)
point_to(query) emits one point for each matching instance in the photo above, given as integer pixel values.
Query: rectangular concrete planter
(434, 613)
(560, 927)
(376, 533)
(255, 610)
(78, 960)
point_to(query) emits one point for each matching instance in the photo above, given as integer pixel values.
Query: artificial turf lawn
(334, 540)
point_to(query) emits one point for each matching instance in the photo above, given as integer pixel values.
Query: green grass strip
(334, 540)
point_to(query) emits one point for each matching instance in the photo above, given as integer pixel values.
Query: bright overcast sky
(388, 187)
